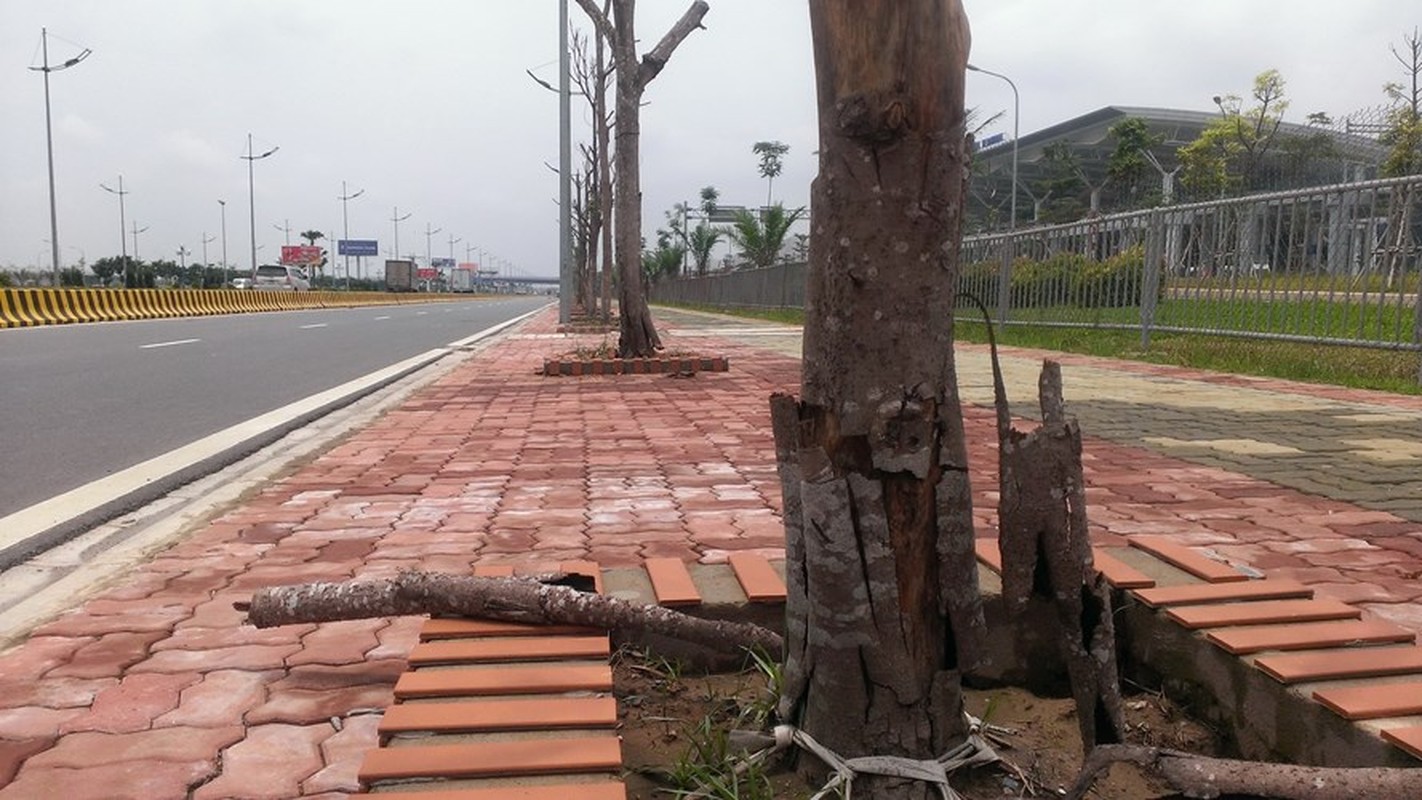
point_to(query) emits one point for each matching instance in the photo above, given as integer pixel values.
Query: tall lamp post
(250, 157)
(346, 227)
(1004, 289)
(397, 219)
(226, 271)
(45, 68)
(429, 233)
(1016, 119)
(123, 240)
(565, 164)
(137, 230)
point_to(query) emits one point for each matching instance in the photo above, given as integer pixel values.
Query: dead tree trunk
(508, 599)
(638, 334)
(1199, 776)
(883, 611)
(1046, 550)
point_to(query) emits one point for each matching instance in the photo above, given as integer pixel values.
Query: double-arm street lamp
(1016, 118)
(45, 68)
(250, 157)
(123, 241)
(397, 219)
(346, 227)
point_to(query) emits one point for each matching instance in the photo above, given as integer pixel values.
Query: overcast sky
(425, 107)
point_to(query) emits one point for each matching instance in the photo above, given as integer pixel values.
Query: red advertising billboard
(300, 254)
(427, 273)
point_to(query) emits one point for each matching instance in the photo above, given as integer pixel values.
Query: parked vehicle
(461, 280)
(281, 277)
(241, 283)
(401, 276)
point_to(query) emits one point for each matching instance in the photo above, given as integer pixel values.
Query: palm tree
(761, 240)
(702, 241)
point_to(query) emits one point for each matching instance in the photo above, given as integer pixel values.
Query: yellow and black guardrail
(29, 307)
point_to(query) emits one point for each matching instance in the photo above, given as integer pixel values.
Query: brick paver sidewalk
(154, 689)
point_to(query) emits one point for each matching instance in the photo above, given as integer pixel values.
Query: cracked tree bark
(1046, 550)
(883, 611)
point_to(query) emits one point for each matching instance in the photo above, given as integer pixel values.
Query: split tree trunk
(638, 334)
(883, 613)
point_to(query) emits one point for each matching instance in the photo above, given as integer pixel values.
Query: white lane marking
(387, 316)
(421, 313)
(173, 343)
(313, 325)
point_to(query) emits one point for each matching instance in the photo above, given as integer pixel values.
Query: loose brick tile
(1374, 700)
(1355, 662)
(759, 580)
(342, 753)
(1170, 550)
(520, 648)
(218, 699)
(271, 761)
(133, 704)
(512, 679)
(252, 658)
(32, 722)
(107, 656)
(1308, 636)
(1266, 612)
(671, 582)
(127, 780)
(501, 715)
(1190, 594)
(170, 745)
(1409, 739)
(13, 753)
(485, 759)
(52, 692)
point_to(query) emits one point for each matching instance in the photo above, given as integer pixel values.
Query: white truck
(461, 280)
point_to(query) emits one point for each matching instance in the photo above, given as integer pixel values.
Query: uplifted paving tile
(492, 758)
(501, 715)
(1187, 558)
(1353, 662)
(672, 582)
(759, 580)
(510, 679)
(1308, 636)
(1409, 739)
(1191, 594)
(1265, 612)
(1374, 700)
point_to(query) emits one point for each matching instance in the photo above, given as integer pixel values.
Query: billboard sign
(357, 247)
(427, 273)
(442, 263)
(300, 254)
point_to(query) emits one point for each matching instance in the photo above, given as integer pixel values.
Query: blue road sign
(357, 247)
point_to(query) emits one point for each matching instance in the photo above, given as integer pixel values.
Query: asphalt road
(80, 402)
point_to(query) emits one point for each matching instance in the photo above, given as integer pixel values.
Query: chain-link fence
(1336, 265)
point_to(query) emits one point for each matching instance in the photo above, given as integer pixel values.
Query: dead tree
(1046, 549)
(638, 334)
(883, 610)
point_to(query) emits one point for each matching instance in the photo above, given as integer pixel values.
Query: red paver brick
(497, 715)
(1308, 636)
(133, 703)
(14, 752)
(1355, 662)
(125, 780)
(1170, 550)
(30, 722)
(52, 692)
(1118, 573)
(1191, 594)
(248, 657)
(513, 679)
(342, 754)
(218, 699)
(1373, 700)
(1409, 739)
(493, 758)
(269, 763)
(344, 642)
(1264, 612)
(107, 656)
(671, 582)
(40, 654)
(175, 745)
(759, 580)
(605, 790)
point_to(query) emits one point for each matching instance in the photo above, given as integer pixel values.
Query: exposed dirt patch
(661, 710)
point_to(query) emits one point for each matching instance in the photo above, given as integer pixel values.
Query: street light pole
(1004, 279)
(565, 169)
(1016, 119)
(226, 270)
(206, 265)
(346, 227)
(137, 230)
(123, 240)
(397, 219)
(252, 196)
(429, 261)
(49, 141)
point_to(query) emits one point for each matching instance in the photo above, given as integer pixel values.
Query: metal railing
(1332, 265)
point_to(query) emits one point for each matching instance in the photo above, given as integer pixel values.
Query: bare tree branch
(654, 60)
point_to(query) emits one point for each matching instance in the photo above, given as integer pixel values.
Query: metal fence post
(1150, 280)
(1004, 279)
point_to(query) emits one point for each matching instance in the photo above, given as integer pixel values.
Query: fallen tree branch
(1201, 776)
(524, 600)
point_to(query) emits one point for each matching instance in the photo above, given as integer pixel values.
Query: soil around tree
(659, 710)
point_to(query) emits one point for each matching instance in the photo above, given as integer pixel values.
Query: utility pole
(45, 68)
(565, 170)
